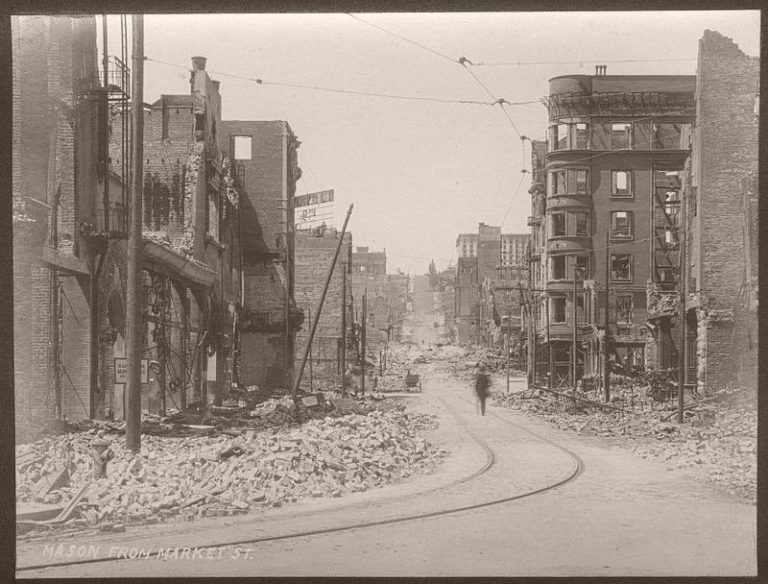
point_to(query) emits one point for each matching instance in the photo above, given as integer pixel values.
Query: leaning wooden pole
(319, 308)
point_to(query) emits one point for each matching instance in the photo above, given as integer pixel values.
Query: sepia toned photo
(385, 294)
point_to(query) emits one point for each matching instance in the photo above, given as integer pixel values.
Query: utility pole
(550, 365)
(363, 335)
(509, 323)
(343, 350)
(309, 316)
(134, 299)
(606, 364)
(682, 354)
(575, 331)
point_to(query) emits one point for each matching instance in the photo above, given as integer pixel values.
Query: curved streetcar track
(490, 461)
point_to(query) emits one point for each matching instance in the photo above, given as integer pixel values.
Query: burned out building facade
(721, 198)
(616, 151)
(266, 155)
(190, 256)
(55, 176)
(200, 243)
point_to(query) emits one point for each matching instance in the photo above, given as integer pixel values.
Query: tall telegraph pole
(134, 295)
(682, 353)
(606, 364)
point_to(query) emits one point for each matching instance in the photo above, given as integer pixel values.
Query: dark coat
(482, 383)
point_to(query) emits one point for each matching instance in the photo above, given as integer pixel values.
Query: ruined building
(315, 250)
(721, 197)
(211, 214)
(55, 177)
(616, 151)
(191, 259)
(265, 153)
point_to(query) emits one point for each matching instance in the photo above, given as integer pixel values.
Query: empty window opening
(620, 133)
(581, 182)
(623, 308)
(621, 183)
(558, 309)
(621, 225)
(242, 147)
(582, 224)
(558, 224)
(581, 136)
(621, 268)
(582, 267)
(558, 268)
(557, 184)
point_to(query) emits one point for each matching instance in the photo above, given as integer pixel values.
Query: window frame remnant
(622, 193)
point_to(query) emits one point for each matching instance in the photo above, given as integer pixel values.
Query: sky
(418, 172)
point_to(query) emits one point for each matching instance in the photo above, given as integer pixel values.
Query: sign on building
(121, 370)
(313, 208)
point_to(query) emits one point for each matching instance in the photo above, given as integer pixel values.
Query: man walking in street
(482, 386)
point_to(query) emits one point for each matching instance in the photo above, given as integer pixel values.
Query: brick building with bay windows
(608, 203)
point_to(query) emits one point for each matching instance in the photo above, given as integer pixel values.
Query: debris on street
(270, 462)
(718, 439)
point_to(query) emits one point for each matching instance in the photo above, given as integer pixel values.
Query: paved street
(617, 516)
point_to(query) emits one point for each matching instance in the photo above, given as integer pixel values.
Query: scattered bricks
(323, 457)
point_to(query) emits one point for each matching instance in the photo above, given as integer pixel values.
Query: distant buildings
(386, 298)
(490, 268)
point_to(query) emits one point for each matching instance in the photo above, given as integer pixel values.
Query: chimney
(198, 63)
(216, 85)
(600, 70)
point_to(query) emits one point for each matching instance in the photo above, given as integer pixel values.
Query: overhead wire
(402, 38)
(461, 61)
(514, 196)
(260, 81)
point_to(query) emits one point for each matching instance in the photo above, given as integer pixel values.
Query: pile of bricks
(220, 474)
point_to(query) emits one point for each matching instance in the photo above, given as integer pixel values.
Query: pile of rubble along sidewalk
(718, 439)
(220, 474)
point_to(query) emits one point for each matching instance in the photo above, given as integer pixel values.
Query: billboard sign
(313, 207)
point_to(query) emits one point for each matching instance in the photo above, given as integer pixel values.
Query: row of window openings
(571, 180)
(559, 304)
(562, 267)
(577, 224)
(575, 181)
(620, 136)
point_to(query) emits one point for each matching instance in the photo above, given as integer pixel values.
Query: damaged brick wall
(315, 250)
(54, 182)
(269, 175)
(725, 152)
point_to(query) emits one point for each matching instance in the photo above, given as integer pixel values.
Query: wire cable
(500, 102)
(514, 196)
(402, 38)
(343, 91)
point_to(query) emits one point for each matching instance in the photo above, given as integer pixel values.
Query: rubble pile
(220, 474)
(271, 413)
(719, 440)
